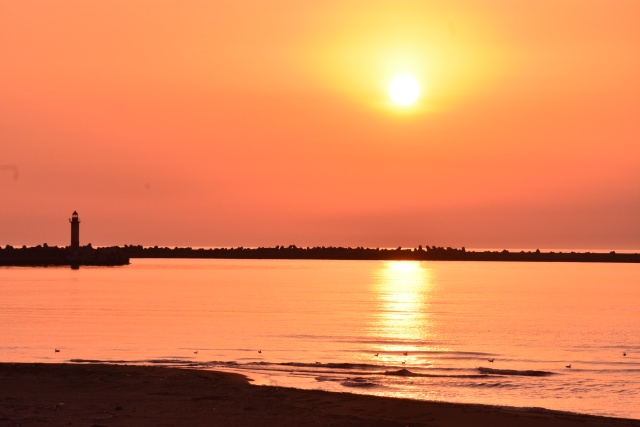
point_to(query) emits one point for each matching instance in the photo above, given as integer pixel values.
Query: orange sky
(255, 123)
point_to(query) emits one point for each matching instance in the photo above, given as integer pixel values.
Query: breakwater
(44, 255)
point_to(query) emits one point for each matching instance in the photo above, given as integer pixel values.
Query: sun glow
(404, 90)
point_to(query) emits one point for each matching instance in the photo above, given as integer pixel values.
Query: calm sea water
(346, 326)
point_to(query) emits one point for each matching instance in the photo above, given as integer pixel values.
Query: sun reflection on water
(402, 322)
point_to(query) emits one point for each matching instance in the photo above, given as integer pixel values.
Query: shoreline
(121, 395)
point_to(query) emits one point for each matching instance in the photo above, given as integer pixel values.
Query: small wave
(170, 361)
(342, 366)
(348, 382)
(325, 378)
(133, 362)
(489, 384)
(402, 373)
(407, 373)
(527, 373)
(138, 362)
(95, 361)
(357, 382)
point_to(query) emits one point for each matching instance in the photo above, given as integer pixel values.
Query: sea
(560, 336)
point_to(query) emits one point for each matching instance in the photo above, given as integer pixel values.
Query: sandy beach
(115, 395)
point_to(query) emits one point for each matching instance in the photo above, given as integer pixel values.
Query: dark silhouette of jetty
(87, 255)
(360, 253)
(44, 255)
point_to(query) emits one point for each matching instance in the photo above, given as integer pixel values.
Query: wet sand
(116, 395)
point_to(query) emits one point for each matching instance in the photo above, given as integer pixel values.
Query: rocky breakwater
(44, 255)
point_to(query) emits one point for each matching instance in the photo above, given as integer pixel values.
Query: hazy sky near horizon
(262, 123)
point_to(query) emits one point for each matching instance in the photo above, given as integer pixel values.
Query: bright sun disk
(404, 90)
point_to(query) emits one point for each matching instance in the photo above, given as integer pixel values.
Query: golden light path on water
(402, 290)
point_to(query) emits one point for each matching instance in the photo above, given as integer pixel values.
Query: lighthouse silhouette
(75, 230)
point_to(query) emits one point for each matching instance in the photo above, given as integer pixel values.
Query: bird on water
(491, 360)
(57, 350)
(569, 366)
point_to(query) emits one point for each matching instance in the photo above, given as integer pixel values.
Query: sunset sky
(263, 123)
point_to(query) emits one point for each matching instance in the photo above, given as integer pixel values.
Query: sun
(404, 90)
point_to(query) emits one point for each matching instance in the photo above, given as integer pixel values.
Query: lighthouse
(75, 230)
